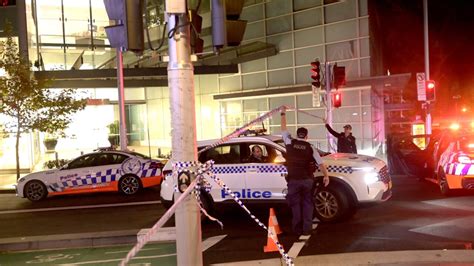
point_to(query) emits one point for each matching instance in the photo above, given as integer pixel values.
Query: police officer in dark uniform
(346, 143)
(300, 156)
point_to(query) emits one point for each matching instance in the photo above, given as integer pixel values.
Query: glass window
(276, 8)
(252, 13)
(365, 67)
(309, 37)
(254, 30)
(341, 51)
(364, 47)
(366, 114)
(304, 56)
(367, 131)
(341, 11)
(351, 98)
(280, 77)
(304, 4)
(83, 161)
(209, 84)
(277, 25)
(303, 75)
(77, 22)
(346, 115)
(306, 119)
(316, 131)
(363, 10)
(281, 60)
(231, 83)
(134, 94)
(364, 27)
(226, 154)
(282, 42)
(304, 101)
(352, 68)
(308, 18)
(255, 105)
(341, 31)
(365, 97)
(253, 66)
(254, 81)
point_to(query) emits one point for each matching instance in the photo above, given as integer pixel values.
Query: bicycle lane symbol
(51, 258)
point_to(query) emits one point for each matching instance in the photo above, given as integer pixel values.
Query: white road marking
(112, 260)
(81, 207)
(298, 245)
(211, 241)
(126, 251)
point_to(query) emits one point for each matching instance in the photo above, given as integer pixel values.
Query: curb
(7, 191)
(69, 240)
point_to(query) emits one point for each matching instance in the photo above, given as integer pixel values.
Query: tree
(26, 100)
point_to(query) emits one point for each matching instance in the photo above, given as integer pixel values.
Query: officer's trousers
(301, 203)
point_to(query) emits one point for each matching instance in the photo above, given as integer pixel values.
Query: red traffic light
(337, 99)
(430, 90)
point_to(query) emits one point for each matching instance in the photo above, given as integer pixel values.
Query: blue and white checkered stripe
(270, 168)
(338, 169)
(100, 177)
(149, 172)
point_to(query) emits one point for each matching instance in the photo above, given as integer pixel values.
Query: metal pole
(427, 63)
(121, 90)
(183, 133)
(328, 104)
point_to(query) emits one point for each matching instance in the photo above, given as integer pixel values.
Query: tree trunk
(17, 151)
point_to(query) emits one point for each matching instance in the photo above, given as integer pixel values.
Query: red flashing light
(337, 99)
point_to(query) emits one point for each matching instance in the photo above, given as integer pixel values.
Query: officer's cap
(348, 126)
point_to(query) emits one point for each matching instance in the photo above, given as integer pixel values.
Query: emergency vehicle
(454, 158)
(354, 178)
(126, 172)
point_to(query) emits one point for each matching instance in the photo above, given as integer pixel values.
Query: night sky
(451, 34)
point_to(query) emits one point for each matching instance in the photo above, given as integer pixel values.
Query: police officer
(300, 156)
(346, 143)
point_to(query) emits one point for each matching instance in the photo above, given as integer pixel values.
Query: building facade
(69, 35)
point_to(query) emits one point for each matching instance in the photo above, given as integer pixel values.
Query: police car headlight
(371, 178)
(22, 179)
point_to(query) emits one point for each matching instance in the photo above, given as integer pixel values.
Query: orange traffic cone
(272, 221)
(271, 246)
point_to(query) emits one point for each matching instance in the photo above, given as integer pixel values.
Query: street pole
(427, 63)
(183, 129)
(328, 103)
(121, 90)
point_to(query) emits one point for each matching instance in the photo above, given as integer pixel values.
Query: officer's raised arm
(284, 131)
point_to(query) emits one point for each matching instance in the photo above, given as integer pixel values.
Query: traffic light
(227, 28)
(316, 73)
(127, 33)
(339, 74)
(197, 44)
(337, 99)
(430, 90)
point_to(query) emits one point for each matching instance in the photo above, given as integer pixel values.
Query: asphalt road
(417, 217)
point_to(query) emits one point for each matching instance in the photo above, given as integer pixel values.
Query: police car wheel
(35, 190)
(443, 183)
(330, 204)
(129, 184)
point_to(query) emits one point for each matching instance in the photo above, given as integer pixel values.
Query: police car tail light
(167, 173)
(156, 165)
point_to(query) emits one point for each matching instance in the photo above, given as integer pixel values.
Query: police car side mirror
(64, 167)
(279, 159)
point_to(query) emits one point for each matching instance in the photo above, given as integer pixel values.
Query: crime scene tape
(206, 169)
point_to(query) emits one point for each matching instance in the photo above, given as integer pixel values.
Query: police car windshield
(280, 142)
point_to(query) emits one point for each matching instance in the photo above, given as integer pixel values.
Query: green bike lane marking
(152, 254)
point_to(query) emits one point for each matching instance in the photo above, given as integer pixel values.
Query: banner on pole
(316, 96)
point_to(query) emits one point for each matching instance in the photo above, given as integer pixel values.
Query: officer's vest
(299, 158)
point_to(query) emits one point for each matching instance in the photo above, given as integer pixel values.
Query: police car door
(228, 167)
(266, 180)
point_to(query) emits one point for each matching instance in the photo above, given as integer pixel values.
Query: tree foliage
(25, 99)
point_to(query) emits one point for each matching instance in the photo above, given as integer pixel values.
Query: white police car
(101, 171)
(354, 178)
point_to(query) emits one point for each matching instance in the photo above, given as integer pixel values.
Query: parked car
(126, 172)
(354, 178)
(454, 157)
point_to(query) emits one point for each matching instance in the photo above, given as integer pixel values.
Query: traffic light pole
(427, 63)
(123, 125)
(183, 134)
(328, 103)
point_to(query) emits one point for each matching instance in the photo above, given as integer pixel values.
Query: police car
(354, 178)
(455, 167)
(101, 171)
